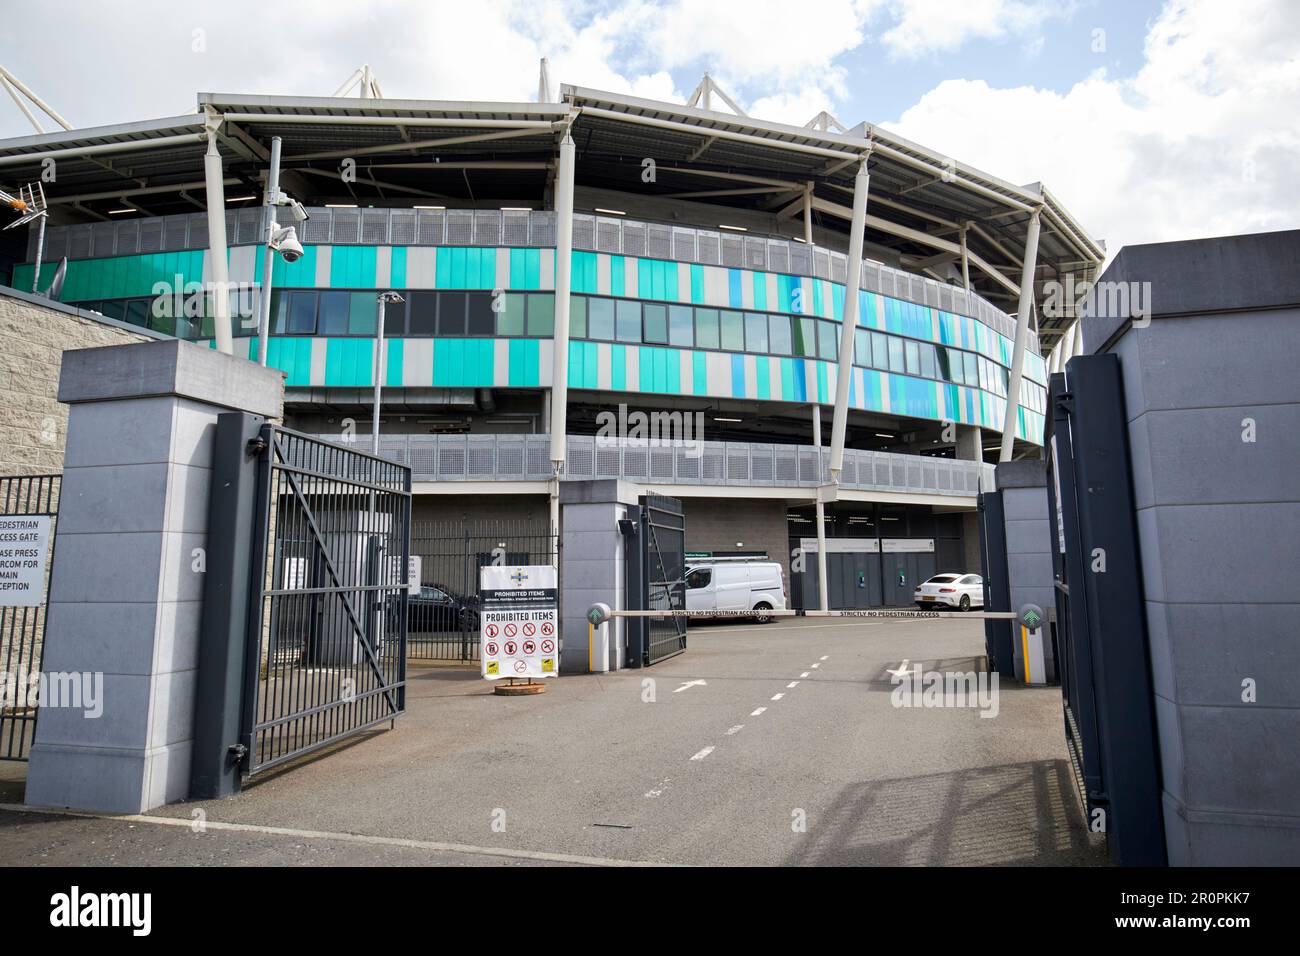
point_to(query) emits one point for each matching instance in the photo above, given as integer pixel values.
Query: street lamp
(383, 298)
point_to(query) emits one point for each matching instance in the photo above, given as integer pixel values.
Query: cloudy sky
(1151, 120)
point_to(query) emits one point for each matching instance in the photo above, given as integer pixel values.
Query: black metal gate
(444, 616)
(326, 654)
(656, 580)
(1102, 654)
(22, 629)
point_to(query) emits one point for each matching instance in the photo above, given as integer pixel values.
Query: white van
(736, 586)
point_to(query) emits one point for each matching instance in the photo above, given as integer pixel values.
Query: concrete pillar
(1029, 561)
(1022, 337)
(823, 600)
(218, 266)
(594, 559)
(126, 588)
(853, 281)
(970, 443)
(563, 268)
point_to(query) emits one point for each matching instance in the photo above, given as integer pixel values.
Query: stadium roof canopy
(489, 154)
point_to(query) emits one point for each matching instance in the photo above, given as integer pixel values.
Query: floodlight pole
(822, 589)
(1022, 337)
(560, 335)
(384, 298)
(268, 255)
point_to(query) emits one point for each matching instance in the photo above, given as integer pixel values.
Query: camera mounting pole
(268, 256)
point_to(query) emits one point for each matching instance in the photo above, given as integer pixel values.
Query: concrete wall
(480, 508)
(1217, 519)
(34, 334)
(716, 524)
(594, 568)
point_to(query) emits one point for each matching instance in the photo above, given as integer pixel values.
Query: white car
(962, 591)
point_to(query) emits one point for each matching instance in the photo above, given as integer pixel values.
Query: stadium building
(626, 289)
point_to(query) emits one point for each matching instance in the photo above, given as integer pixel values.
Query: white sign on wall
(24, 544)
(519, 624)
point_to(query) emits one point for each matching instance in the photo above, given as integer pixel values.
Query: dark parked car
(436, 608)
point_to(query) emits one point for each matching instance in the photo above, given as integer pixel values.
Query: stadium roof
(486, 153)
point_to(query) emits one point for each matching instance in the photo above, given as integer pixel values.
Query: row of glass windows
(487, 314)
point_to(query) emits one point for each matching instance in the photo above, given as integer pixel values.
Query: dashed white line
(757, 712)
(793, 683)
(815, 666)
(703, 753)
(777, 696)
(825, 657)
(735, 730)
(659, 788)
(804, 674)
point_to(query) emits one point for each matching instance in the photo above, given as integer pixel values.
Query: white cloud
(936, 26)
(1203, 141)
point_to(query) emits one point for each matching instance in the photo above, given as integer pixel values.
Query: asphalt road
(762, 745)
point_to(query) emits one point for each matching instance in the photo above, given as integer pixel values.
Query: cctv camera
(298, 212)
(285, 241)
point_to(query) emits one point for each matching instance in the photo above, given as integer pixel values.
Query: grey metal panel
(800, 259)
(755, 253)
(708, 247)
(103, 237)
(347, 226)
(430, 227)
(658, 241)
(487, 227)
(401, 227)
(778, 255)
(248, 229)
(634, 238)
(374, 227)
(584, 232)
(541, 229)
(514, 228)
(821, 263)
(319, 229)
(684, 245)
(128, 236)
(460, 227)
(733, 251)
(151, 236)
(839, 267)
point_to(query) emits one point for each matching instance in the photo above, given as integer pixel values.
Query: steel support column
(852, 282)
(268, 254)
(822, 592)
(1022, 336)
(218, 267)
(563, 264)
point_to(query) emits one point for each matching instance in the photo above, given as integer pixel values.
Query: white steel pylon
(826, 123)
(703, 95)
(364, 77)
(14, 86)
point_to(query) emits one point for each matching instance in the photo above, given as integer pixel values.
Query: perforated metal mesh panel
(541, 229)
(79, 241)
(374, 227)
(451, 457)
(609, 235)
(689, 464)
(661, 463)
(733, 251)
(762, 464)
(401, 227)
(684, 245)
(487, 227)
(609, 462)
(658, 241)
(713, 464)
(785, 468)
(778, 255)
(821, 264)
(839, 267)
(755, 253)
(633, 238)
(580, 461)
(347, 226)
(460, 227)
(318, 229)
(708, 248)
(514, 228)
(636, 463)
(430, 227)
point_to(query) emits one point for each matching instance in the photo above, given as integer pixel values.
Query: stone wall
(33, 337)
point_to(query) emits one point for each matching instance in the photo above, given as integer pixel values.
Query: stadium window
(302, 313)
(706, 329)
(755, 332)
(422, 310)
(879, 350)
(733, 331)
(363, 313)
(912, 353)
(577, 315)
(510, 320)
(482, 317)
(805, 337)
(828, 345)
(862, 348)
(679, 326)
(541, 315)
(332, 314)
(137, 312)
(779, 334)
(896, 360)
(600, 318)
(112, 309)
(656, 323)
(627, 320)
(972, 373)
(927, 361)
(395, 318)
(950, 365)
(451, 313)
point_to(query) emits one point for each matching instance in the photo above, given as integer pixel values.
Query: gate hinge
(1065, 401)
(237, 752)
(256, 445)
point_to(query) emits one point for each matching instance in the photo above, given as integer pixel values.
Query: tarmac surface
(769, 744)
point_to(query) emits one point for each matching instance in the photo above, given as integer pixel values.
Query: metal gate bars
(656, 580)
(22, 629)
(327, 658)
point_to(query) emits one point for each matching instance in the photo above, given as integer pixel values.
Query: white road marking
(793, 683)
(804, 674)
(703, 753)
(769, 628)
(815, 666)
(428, 845)
(902, 668)
(825, 657)
(757, 712)
(777, 696)
(691, 683)
(659, 788)
(736, 729)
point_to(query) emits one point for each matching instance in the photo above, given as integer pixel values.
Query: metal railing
(745, 464)
(526, 228)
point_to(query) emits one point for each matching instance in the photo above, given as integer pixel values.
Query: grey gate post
(127, 585)
(231, 588)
